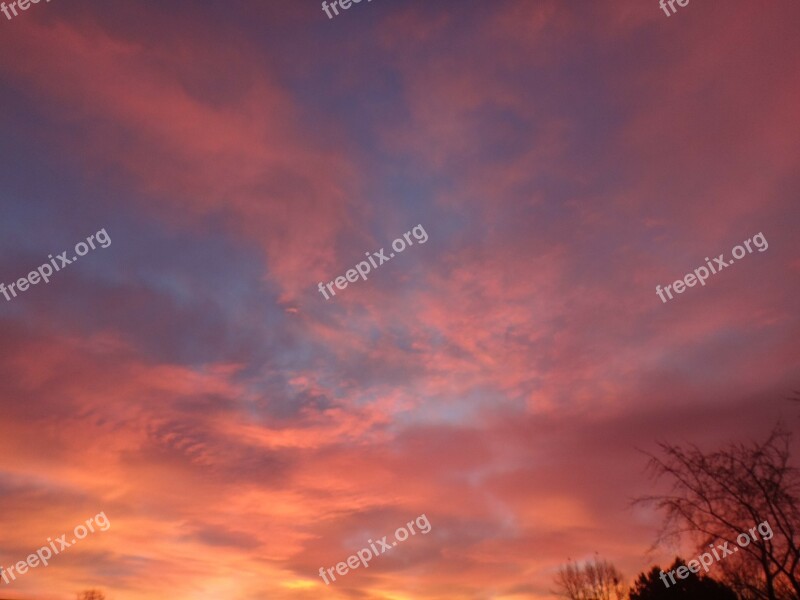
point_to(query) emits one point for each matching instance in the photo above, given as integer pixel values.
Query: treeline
(739, 505)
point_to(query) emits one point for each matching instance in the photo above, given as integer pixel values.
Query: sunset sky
(504, 378)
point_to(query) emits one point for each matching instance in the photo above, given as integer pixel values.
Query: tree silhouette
(651, 586)
(717, 496)
(595, 580)
(91, 595)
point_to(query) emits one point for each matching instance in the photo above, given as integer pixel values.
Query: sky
(504, 378)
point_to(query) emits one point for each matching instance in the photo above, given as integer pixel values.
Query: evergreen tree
(651, 586)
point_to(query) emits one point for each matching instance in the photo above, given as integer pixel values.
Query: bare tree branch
(719, 495)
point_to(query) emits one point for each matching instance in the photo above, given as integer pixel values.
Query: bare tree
(595, 580)
(91, 595)
(717, 496)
